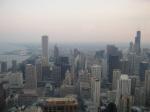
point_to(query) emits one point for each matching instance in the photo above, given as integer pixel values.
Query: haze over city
(74, 20)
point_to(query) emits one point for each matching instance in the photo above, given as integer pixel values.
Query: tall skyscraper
(3, 67)
(123, 97)
(143, 67)
(147, 87)
(38, 65)
(56, 54)
(124, 64)
(113, 63)
(14, 65)
(95, 91)
(116, 77)
(96, 71)
(113, 57)
(138, 42)
(45, 49)
(30, 77)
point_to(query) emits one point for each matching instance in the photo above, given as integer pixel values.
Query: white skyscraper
(30, 77)
(45, 53)
(147, 87)
(95, 91)
(116, 77)
(96, 71)
(123, 96)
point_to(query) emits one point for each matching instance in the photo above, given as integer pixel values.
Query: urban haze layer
(61, 79)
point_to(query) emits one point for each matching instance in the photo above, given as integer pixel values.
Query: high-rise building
(64, 64)
(38, 65)
(138, 42)
(124, 64)
(2, 96)
(116, 77)
(147, 87)
(56, 75)
(30, 77)
(16, 80)
(14, 65)
(95, 91)
(113, 63)
(123, 97)
(46, 73)
(56, 54)
(96, 71)
(134, 62)
(45, 49)
(131, 47)
(3, 67)
(143, 67)
(113, 60)
(65, 104)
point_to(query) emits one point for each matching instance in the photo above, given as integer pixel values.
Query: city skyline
(74, 21)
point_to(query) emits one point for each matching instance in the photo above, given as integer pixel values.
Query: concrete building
(96, 71)
(137, 45)
(143, 67)
(123, 96)
(30, 77)
(3, 67)
(95, 91)
(147, 87)
(66, 104)
(16, 80)
(116, 77)
(39, 70)
(14, 65)
(45, 49)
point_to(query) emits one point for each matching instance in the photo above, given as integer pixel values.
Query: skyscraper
(143, 67)
(147, 87)
(113, 57)
(45, 48)
(113, 63)
(14, 65)
(138, 42)
(96, 71)
(95, 91)
(30, 77)
(56, 54)
(116, 77)
(123, 97)
(3, 67)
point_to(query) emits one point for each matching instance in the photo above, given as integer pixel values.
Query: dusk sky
(74, 20)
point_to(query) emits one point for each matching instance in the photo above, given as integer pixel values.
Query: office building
(113, 63)
(30, 77)
(38, 65)
(16, 80)
(14, 65)
(124, 63)
(147, 87)
(116, 77)
(56, 55)
(137, 44)
(45, 49)
(96, 71)
(123, 96)
(66, 104)
(2, 96)
(95, 91)
(143, 67)
(3, 67)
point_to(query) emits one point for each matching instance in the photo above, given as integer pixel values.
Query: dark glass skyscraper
(138, 42)
(143, 67)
